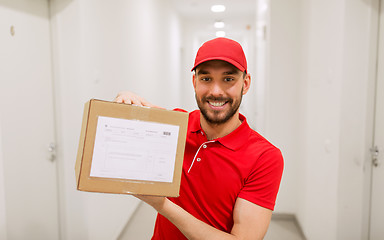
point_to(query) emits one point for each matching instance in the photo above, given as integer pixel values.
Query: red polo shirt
(215, 173)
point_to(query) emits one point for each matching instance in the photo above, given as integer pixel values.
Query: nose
(216, 90)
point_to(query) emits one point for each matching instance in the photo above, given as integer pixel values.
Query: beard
(218, 117)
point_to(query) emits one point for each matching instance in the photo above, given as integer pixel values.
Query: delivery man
(231, 174)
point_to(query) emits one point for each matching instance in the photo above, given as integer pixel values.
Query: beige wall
(100, 49)
(320, 111)
(140, 226)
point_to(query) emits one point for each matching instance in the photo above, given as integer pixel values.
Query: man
(231, 174)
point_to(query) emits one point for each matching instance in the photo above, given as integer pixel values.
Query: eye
(205, 79)
(228, 79)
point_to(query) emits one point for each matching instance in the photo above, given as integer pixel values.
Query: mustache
(219, 99)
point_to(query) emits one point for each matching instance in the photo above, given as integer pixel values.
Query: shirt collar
(234, 141)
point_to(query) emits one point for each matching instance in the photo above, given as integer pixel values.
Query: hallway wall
(320, 105)
(28, 185)
(283, 120)
(320, 110)
(100, 49)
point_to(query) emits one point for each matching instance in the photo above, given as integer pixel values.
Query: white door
(377, 198)
(27, 124)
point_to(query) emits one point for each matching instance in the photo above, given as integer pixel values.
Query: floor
(281, 227)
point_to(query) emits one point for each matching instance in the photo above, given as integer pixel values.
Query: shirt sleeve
(262, 185)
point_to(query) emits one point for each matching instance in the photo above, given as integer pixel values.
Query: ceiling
(201, 9)
(239, 15)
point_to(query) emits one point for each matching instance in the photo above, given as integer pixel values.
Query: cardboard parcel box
(130, 150)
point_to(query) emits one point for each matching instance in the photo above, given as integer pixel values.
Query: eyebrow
(202, 71)
(230, 73)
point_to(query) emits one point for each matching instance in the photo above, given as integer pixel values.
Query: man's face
(219, 87)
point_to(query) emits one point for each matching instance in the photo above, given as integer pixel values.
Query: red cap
(222, 49)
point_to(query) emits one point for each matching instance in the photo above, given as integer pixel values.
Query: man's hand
(154, 201)
(132, 98)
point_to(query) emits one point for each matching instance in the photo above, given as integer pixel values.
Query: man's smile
(216, 103)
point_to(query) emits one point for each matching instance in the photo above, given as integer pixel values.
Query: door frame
(3, 217)
(371, 115)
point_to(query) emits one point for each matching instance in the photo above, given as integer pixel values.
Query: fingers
(128, 98)
(148, 104)
(118, 99)
(155, 106)
(138, 101)
(131, 98)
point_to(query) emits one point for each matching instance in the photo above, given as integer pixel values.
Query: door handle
(375, 156)
(52, 151)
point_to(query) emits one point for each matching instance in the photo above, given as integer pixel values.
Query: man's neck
(214, 131)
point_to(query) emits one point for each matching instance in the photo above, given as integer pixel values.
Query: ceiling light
(220, 34)
(219, 24)
(218, 8)
(264, 7)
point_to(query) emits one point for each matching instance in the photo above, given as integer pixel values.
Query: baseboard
(288, 217)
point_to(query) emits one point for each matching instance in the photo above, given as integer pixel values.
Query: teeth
(217, 104)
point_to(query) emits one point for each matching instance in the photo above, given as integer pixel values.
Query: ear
(247, 83)
(194, 80)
